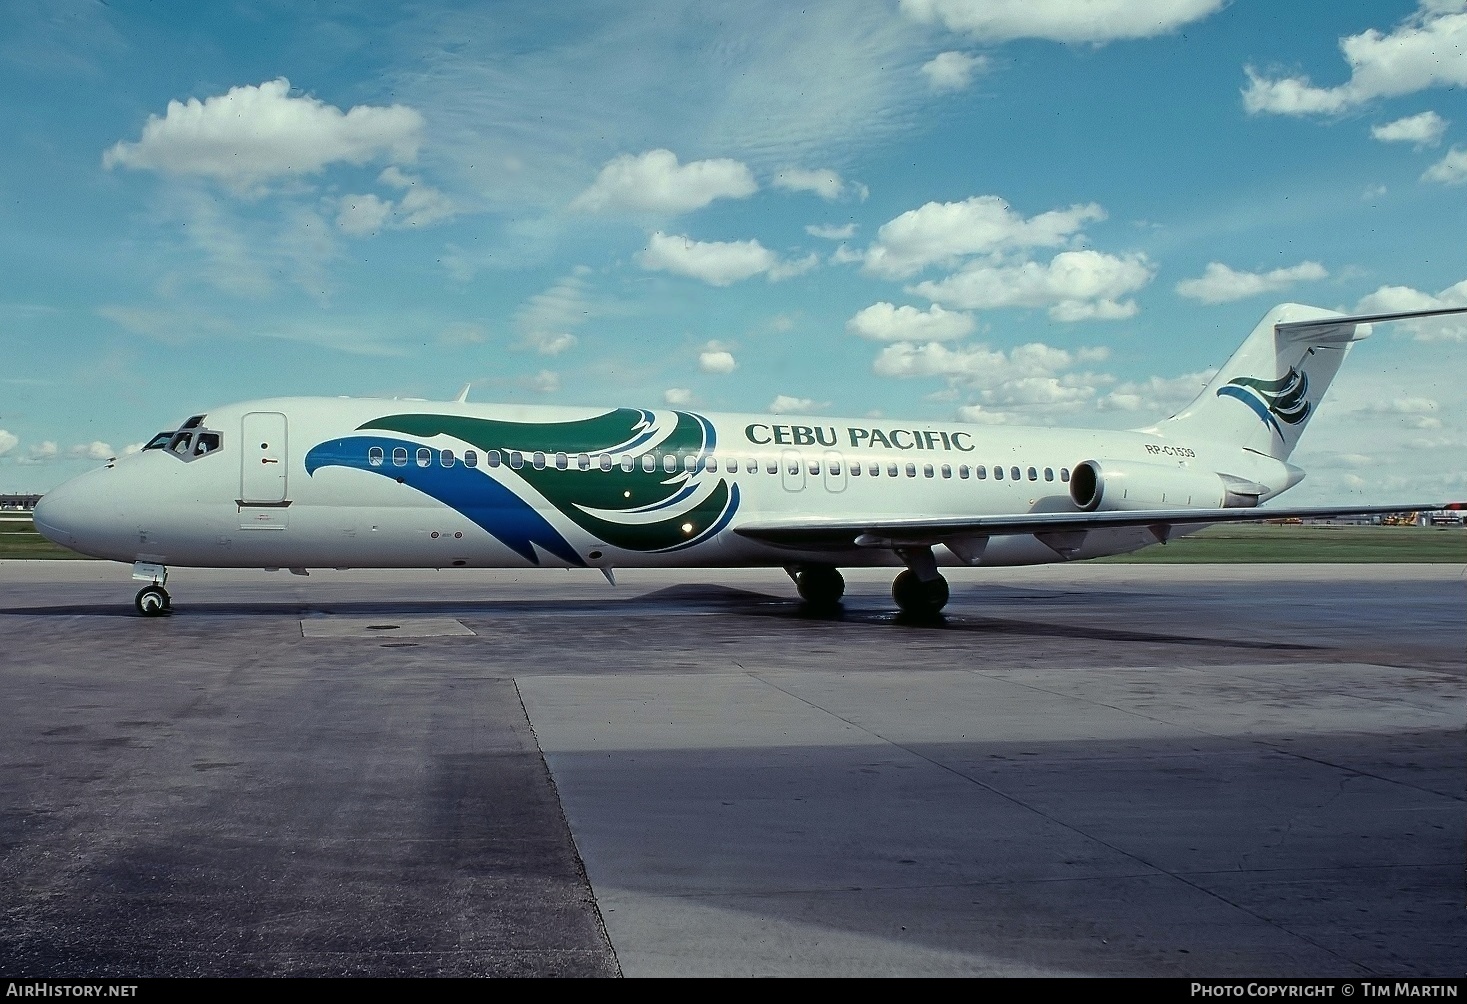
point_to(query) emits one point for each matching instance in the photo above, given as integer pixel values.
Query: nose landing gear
(152, 600)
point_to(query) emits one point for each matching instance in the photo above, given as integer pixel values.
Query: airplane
(303, 483)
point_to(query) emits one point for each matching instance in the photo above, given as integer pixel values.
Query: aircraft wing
(889, 531)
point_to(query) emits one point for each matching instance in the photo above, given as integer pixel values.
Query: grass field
(1223, 544)
(1262, 542)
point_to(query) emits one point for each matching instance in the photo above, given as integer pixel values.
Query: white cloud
(95, 450)
(132, 448)
(716, 359)
(545, 320)
(831, 232)
(42, 452)
(1220, 284)
(976, 414)
(8, 442)
(1450, 170)
(420, 206)
(886, 322)
(942, 233)
(823, 182)
(1392, 299)
(1157, 396)
(1424, 130)
(953, 71)
(784, 404)
(544, 382)
(718, 263)
(254, 134)
(678, 397)
(1074, 286)
(1096, 21)
(360, 215)
(1427, 49)
(655, 182)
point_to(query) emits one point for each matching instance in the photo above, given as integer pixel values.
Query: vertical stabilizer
(1264, 396)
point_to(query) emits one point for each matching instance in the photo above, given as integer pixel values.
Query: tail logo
(1284, 399)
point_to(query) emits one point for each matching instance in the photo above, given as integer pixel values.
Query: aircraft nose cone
(56, 515)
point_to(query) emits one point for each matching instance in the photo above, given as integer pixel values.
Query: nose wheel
(153, 601)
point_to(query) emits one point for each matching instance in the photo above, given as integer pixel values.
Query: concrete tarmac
(1250, 770)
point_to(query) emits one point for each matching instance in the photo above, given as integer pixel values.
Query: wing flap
(822, 533)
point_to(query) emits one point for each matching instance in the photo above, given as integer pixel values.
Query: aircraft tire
(917, 598)
(153, 601)
(821, 587)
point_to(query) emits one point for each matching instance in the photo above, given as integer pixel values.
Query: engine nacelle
(1110, 485)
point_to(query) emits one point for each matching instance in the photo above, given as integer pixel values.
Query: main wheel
(821, 587)
(153, 601)
(917, 598)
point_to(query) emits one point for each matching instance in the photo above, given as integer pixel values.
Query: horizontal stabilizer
(1313, 330)
(901, 532)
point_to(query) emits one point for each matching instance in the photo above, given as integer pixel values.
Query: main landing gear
(921, 592)
(152, 600)
(821, 587)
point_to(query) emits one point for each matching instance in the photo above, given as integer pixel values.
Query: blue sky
(1036, 212)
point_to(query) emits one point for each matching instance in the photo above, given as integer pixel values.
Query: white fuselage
(325, 482)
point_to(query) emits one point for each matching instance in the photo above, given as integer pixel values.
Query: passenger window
(605, 463)
(537, 460)
(627, 463)
(516, 459)
(963, 471)
(980, 472)
(669, 463)
(997, 473)
(856, 468)
(947, 471)
(731, 465)
(471, 458)
(425, 456)
(446, 458)
(710, 464)
(794, 467)
(891, 470)
(561, 462)
(690, 463)
(492, 458)
(927, 470)
(753, 466)
(875, 469)
(834, 467)
(814, 467)
(649, 463)
(1049, 474)
(583, 462)
(375, 456)
(1014, 474)
(399, 457)
(912, 470)
(771, 466)
(1033, 474)
(1065, 474)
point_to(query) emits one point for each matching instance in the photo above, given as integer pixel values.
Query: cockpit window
(189, 442)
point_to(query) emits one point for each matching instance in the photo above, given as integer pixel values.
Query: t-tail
(1264, 396)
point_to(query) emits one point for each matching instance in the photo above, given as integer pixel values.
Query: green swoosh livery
(636, 510)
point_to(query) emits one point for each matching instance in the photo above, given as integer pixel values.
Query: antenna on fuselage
(463, 395)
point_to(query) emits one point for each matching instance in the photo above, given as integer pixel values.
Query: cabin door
(264, 458)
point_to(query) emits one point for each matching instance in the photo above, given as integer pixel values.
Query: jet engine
(1108, 485)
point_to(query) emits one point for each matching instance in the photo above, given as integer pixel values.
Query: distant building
(23, 503)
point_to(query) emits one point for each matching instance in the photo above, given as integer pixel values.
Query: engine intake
(1112, 485)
